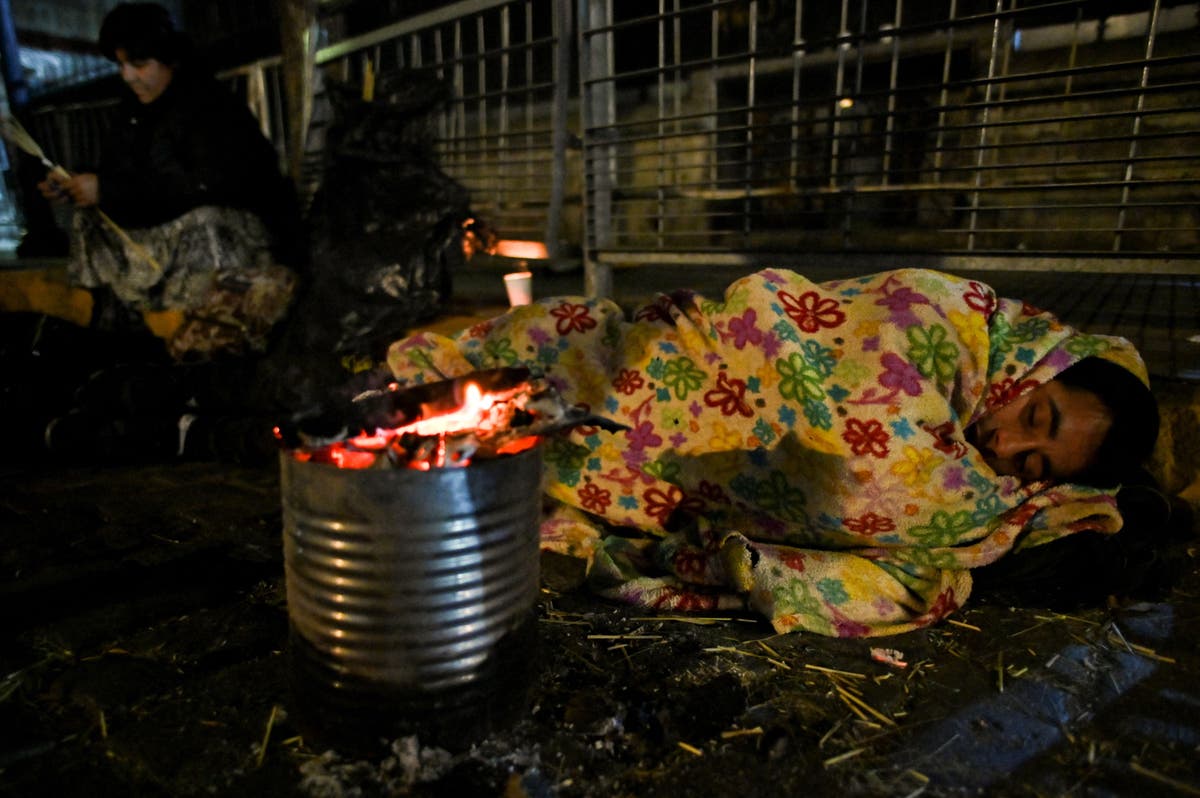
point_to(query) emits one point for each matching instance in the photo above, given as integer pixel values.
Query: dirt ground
(145, 654)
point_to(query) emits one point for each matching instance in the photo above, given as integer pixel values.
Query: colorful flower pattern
(809, 438)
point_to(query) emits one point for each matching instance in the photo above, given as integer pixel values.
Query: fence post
(598, 109)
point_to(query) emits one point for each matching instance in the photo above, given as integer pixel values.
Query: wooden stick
(141, 251)
(14, 131)
(262, 749)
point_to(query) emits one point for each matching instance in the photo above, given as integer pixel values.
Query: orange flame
(467, 416)
(477, 411)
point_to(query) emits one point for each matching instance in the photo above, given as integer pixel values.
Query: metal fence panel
(504, 133)
(719, 129)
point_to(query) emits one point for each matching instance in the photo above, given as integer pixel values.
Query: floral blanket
(793, 448)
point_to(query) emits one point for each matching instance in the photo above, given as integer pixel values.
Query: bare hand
(82, 190)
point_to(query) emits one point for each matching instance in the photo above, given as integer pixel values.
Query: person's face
(147, 78)
(1051, 432)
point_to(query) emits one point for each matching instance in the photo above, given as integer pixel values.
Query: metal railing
(503, 134)
(964, 132)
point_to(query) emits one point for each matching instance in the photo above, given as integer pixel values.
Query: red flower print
(811, 312)
(866, 437)
(792, 559)
(480, 330)
(595, 498)
(671, 598)
(943, 439)
(869, 524)
(1007, 389)
(729, 395)
(980, 298)
(660, 505)
(572, 317)
(1022, 514)
(585, 430)
(628, 381)
(942, 606)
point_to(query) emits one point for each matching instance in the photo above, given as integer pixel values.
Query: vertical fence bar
(439, 59)
(1073, 54)
(530, 98)
(981, 144)
(279, 127)
(256, 96)
(598, 81)
(1068, 85)
(503, 165)
(797, 60)
(893, 80)
(856, 144)
(751, 98)
(839, 84)
(677, 81)
(677, 78)
(460, 96)
(714, 49)
(998, 130)
(561, 71)
(1137, 127)
(944, 95)
(660, 127)
(481, 123)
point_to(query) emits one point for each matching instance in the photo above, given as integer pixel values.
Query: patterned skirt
(212, 265)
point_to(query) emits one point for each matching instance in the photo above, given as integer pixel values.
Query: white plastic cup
(520, 288)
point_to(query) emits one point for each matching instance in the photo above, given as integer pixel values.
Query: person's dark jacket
(195, 145)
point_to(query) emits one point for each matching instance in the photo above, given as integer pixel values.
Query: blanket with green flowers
(793, 448)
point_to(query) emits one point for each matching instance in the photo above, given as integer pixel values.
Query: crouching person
(187, 210)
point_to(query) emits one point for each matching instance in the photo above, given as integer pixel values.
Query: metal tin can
(410, 597)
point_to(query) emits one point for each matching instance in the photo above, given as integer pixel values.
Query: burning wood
(447, 424)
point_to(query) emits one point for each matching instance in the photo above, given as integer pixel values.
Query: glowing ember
(444, 433)
(446, 424)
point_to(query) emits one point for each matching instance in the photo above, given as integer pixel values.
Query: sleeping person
(835, 456)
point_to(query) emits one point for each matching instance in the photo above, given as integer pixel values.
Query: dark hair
(143, 30)
(1134, 431)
